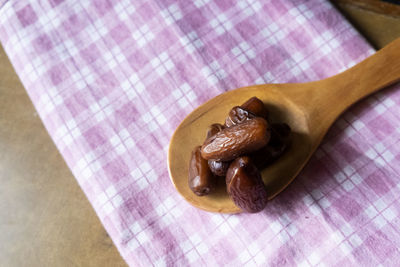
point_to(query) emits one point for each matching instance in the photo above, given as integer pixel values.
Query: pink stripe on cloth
(111, 81)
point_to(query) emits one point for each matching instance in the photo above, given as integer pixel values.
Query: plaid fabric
(111, 81)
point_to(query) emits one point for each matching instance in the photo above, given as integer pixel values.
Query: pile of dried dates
(238, 151)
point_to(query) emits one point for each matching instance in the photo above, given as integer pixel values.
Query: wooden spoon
(309, 109)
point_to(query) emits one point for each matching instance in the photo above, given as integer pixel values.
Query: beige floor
(45, 219)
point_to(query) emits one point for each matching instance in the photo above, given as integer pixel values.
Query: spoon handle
(331, 96)
(374, 73)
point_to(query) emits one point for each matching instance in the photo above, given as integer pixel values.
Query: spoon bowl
(308, 108)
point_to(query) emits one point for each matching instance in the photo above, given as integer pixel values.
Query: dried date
(256, 107)
(218, 167)
(278, 144)
(201, 180)
(238, 115)
(237, 140)
(213, 129)
(245, 186)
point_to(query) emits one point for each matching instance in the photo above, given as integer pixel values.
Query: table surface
(45, 219)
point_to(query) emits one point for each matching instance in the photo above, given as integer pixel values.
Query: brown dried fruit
(217, 167)
(256, 106)
(213, 129)
(238, 115)
(281, 129)
(201, 180)
(245, 186)
(279, 142)
(237, 140)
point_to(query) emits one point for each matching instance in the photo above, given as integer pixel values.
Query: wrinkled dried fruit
(238, 150)
(279, 142)
(237, 140)
(213, 129)
(256, 106)
(201, 180)
(217, 167)
(238, 115)
(245, 186)
(281, 129)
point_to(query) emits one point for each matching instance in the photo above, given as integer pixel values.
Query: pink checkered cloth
(111, 81)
